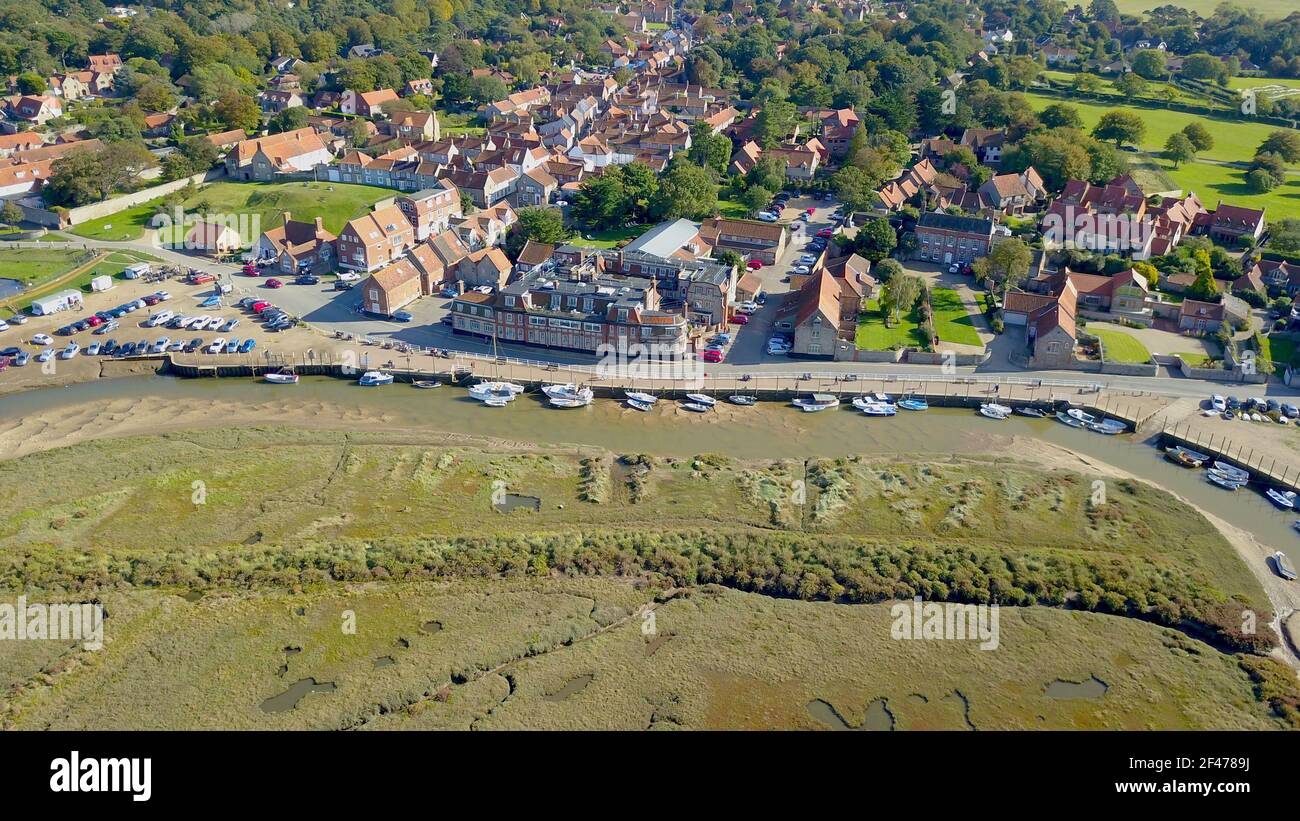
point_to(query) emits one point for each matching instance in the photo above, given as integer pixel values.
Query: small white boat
(883, 398)
(696, 407)
(817, 402)
(1282, 564)
(375, 378)
(1109, 427)
(1030, 410)
(1005, 410)
(496, 402)
(1224, 481)
(637, 404)
(282, 377)
(1286, 500)
(1085, 418)
(426, 384)
(569, 402)
(569, 391)
(993, 411)
(1232, 470)
(702, 399)
(484, 390)
(742, 399)
(1069, 420)
(644, 398)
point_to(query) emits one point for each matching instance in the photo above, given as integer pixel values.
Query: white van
(161, 318)
(136, 271)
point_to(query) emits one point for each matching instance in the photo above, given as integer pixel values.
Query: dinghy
(496, 402)
(742, 399)
(702, 399)
(696, 407)
(913, 404)
(426, 384)
(1286, 500)
(637, 404)
(643, 398)
(1231, 470)
(1223, 481)
(993, 411)
(1069, 420)
(1109, 427)
(817, 402)
(1030, 410)
(1283, 564)
(570, 401)
(284, 376)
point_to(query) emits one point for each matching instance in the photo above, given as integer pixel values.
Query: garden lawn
(952, 322)
(610, 238)
(1120, 347)
(1280, 350)
(336, 203)
(873, 335)
(452, 124)
(1273, 9)
(733, 209)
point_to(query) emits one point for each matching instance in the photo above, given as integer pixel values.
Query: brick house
(431, 211)
(751, 239)
(366, 103)
(368, 243)
(946, 239)
(262, 158)
(298, 246)
(390, 288)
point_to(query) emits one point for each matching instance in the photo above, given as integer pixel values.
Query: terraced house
(368, 243)
(263, 158)
(576, 314)
(751, 239)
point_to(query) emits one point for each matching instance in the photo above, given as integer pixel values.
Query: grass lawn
(1153, 92)
(1280, 350)
(1195, 360)
(1276, 9)
(32, 266)
(873, 335)
(112, 265)
(335, 202)
(611, 238)
(463, 122)
(1120, 347)
(1218, 182)
(733, 209)
(952, 322)
(1234, 140)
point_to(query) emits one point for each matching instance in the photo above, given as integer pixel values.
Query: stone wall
(96, 210)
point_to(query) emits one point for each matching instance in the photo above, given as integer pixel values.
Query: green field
(1280, 350)
(952, 322)
(874, 335)
(1154, 92)
(335, 202)
(1119, 346)
(458, 604)
(452, 124)
(32, 266)
(611, 238)
(1276, 9)
(1213, 183)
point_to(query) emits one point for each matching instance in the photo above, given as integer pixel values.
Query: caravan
(52, 304)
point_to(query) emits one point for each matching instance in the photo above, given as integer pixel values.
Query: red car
(259, 305)
(739, 319)
(201, 278)
(754, 264)
(94, 321)
(711, 356)
(274, 283)
(810, 211)
(250, 270)
(825, 233)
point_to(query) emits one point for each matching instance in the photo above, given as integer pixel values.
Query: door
(947, 258)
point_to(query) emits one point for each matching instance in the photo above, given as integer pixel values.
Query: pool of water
(9, 287)
(768, 430)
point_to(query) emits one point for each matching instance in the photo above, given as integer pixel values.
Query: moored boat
(742, 399)
(426, 384)
(496, 401)
(569, 391)
(637, 404)
(1082, 416)
(1284, 500)
(1109, 427)
(1068, 419)
(569, 401)
(817, 402)
(702, 399)
(696, 407)
(644, 398)
(375, 378)
(913, 404)
(1231, 470)
(1282, 564)
(284, 376)
(993, 411)
(1224, 481)
(1030, 410)
(495, 390)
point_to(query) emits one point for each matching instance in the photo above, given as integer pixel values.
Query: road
(331, 311)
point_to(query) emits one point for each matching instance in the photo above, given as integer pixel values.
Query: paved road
(334, 311)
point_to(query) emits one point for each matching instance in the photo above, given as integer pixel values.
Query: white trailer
(54, 303)
(101, 283)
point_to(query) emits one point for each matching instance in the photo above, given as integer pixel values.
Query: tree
(1120, 127)
(1103, 11)
(887, 269)
(1150, 64)
(11, 213)
(1087, 83)
(1060, 115)
(774, 122)
(1179, 148)
(755, 197)
(1204, 287)
(900, 294)
(319, 46)
(1270, 164)
(291, 119)
(709, 150)
(1202, 66)
(537, 224)
(1131, 84)
(686, 190)
(89, 175)
(1285, 144)
(1006, 264)
(876, 240)
(768, 173)
(1284, 235)
(1260, 181)
(854, 188)
(237, 111)
(1199, 135)
(29, 82)
(1148, 272)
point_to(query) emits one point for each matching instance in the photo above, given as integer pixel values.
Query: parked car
(160, 345)
(109, 348)
(10, 352)
(17, 319)
(739, 319)
(217, 345)
(231, 345)
(42, 339)
(711, 356)
(151, 299)
(94, 349)
(343, 285)
(230, 324)
(825, 233)
(767, 217)
(747, 307)
(70, 351)
(274, 283)
(349, 276)
(176, 345)
(402, 316)
(193, 345)
(1290, 411)
(801, 269)
(44, 355)
(754, 264)
(21, 359)
(247, 345)
(307, 279)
